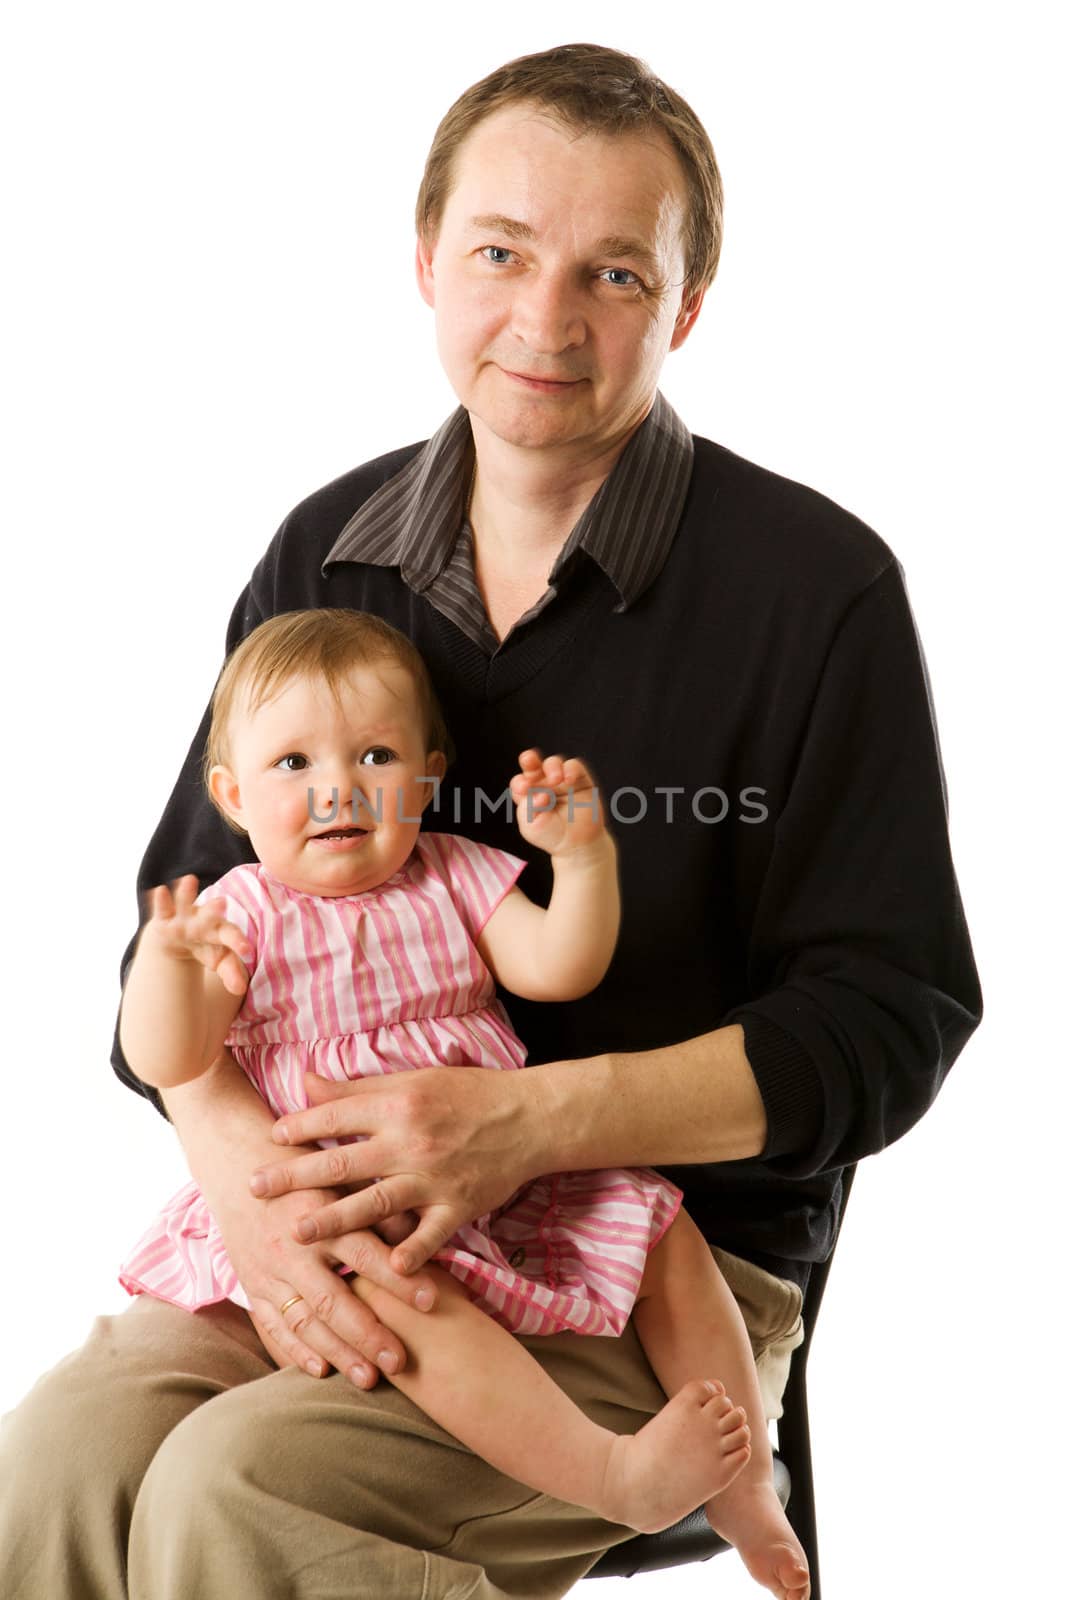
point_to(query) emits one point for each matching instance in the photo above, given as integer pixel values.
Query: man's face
(556, 280)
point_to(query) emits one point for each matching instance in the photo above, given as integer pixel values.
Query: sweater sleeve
(864, 981)
(191, 836)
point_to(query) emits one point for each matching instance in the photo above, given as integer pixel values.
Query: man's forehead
(520, 167)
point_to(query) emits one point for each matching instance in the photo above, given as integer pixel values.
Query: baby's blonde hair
(327, 644)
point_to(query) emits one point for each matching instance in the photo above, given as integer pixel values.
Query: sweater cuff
(788, 1082)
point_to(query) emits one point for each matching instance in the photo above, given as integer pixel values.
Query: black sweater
(798, 880)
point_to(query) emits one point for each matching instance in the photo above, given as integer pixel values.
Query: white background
(210, 311)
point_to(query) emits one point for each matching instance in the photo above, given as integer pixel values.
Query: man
(735, 657)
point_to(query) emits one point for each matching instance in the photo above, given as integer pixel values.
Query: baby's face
(331, 788)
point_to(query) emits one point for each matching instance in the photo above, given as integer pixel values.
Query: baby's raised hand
(557, 805)
(186, 931)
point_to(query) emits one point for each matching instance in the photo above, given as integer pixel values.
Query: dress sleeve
(477, 876)
(864, 983)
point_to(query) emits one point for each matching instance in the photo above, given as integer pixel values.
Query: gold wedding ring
(292, 1300)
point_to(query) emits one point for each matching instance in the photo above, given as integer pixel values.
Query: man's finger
(369, 1257)
(342, 1110)
(337, 1325)
(320, 1169)
(368, 1208)
(284, 1349)
(436, 1226)
(304, 1341)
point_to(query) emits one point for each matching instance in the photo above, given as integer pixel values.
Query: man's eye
(496, 253)
(377, 756)
(293, 762)
(621, 277)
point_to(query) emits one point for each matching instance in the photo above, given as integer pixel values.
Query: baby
(357, 945)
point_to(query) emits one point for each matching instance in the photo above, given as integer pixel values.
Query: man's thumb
(322, 1089)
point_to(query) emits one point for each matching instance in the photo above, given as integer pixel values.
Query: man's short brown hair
(590, 89)
(326, 643)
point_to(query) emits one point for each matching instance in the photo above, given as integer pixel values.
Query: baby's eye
(377, 756)
(293, 762)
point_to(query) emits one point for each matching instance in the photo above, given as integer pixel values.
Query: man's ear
(436, 766)
(688, 312)
(222, 786)
(424, 269)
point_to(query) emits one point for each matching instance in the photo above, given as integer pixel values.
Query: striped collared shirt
(418, 521)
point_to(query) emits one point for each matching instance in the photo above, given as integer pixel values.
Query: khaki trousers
(116, 1479)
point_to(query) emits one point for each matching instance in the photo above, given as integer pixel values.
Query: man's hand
(225, 1129)
(328, 1326)
(447, 1143)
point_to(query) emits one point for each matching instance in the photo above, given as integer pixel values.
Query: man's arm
(481, 1135)
(225, 1130)
(706, 1106)
(863, 982)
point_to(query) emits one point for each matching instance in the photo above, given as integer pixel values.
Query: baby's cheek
(401, 805)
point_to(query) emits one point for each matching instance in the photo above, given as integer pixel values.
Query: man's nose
(547, 315)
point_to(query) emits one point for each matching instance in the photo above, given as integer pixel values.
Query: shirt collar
(628, 527)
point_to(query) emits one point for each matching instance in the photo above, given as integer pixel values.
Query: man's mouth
(547, 385)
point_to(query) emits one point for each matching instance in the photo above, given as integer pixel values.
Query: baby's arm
(560, 952)
(184, 987)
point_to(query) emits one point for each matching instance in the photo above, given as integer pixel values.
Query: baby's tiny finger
(233, 975)
(161, 904)
(185, 892)
(229, 934)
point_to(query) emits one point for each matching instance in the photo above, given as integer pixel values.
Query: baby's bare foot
(696, 1445)
(750, 1517)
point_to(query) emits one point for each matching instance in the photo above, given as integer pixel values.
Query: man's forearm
(697, 1101)
(477, 1136)
(224, 1127)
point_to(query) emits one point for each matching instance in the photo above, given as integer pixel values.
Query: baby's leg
(468, 1373)
(689, 1324)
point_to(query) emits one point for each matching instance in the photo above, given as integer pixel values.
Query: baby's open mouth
(342, 833)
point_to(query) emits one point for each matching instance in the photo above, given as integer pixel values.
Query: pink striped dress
(390, 981)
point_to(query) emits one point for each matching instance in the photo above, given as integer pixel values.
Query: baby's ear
(435, 766)
(222, 787)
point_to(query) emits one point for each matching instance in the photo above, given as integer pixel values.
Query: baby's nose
(367, 798)
(327, 799)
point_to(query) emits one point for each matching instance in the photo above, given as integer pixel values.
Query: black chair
(692, 1539)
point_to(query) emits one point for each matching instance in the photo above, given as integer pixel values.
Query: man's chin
(536, 425)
